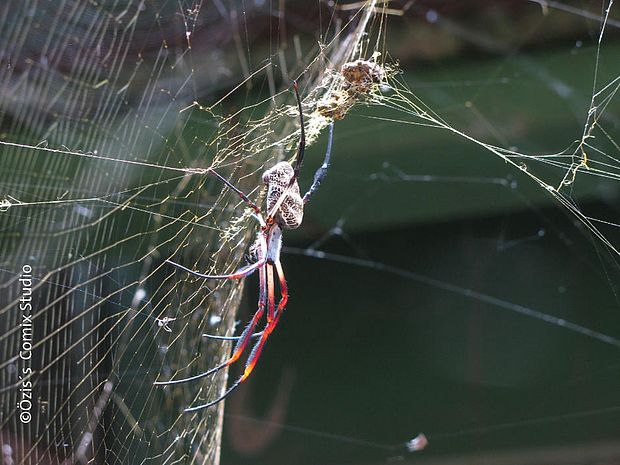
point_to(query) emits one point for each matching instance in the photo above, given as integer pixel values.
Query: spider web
(105, 157)
(111, 116)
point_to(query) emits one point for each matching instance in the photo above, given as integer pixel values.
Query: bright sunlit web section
(107, 179)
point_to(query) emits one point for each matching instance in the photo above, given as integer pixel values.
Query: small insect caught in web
(284, 210)
(163, 323)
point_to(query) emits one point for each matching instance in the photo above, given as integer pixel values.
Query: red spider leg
(272, 319)
(242, 342)
(251, 363)
(272, 322)
(258, 348)
(273, 254)
(283, 292)
(270, 311)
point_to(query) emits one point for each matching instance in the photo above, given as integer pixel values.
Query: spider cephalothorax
(280, 180)
(285, 209)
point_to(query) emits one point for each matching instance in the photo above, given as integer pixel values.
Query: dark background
(460, 337)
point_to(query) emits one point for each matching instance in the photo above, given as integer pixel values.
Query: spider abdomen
(290, 211)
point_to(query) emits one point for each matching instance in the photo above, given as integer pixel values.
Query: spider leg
(250, 364)
(272, 312)
(258, 347)
(241, 343)
(230, 338)
(240, 273)
(283, 292)
(238, 191)
(319, 175)
(302, 138)
(271, 299)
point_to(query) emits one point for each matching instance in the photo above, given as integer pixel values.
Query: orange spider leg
(283, 291)
(271, 323)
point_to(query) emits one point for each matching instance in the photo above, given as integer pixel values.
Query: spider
(284, 211)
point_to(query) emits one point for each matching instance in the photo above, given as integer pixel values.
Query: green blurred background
(449, 318)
